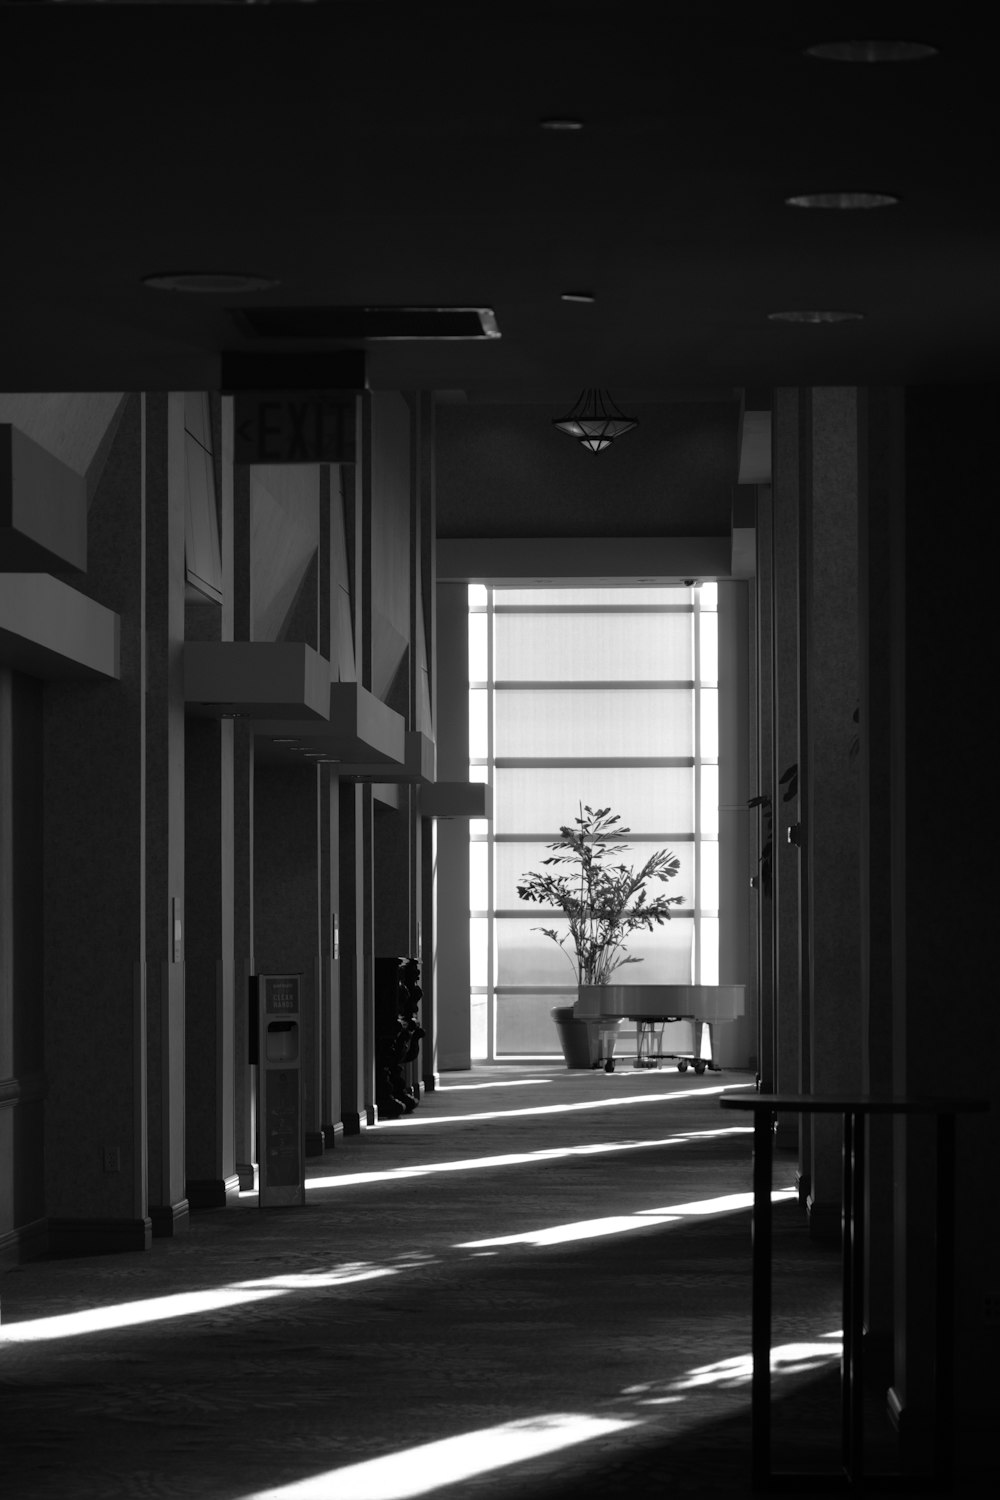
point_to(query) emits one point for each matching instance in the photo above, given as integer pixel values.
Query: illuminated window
(599, 697)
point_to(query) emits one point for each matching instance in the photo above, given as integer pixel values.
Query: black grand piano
(651, 1007)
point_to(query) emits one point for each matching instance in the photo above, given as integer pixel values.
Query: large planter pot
(585, 1043)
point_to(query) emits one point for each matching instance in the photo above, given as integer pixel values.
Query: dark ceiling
(383, 154)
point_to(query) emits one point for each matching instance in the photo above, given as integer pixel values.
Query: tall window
(600, 697)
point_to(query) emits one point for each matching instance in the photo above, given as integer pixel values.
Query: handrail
(855, 1109)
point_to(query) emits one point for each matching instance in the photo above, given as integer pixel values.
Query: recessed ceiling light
(841, 200)
(810, 315)
(208, 281)
(872, 51)
(561, 124)
(577, 297)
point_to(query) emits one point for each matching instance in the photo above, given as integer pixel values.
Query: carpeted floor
(505, 1294)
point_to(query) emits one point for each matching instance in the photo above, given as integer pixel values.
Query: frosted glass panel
(709, 876)
(708, 596)
(479, 885)
(517, 859)
(593, 648)
(637, 595)
(525, 1025)
(478, 659)
(479, 700)
(566, 722)
(709, 950)
(479, 937)
(542, 800)
(667, 955)
(708, 637)
(527, 957)
(710, 723)
(478, 1032)
(710, 802)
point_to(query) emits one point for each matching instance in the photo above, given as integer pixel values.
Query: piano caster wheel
(700, 1067)
(682, 1066)
(609, 1066)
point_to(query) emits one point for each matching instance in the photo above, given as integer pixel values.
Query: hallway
(513, 1275)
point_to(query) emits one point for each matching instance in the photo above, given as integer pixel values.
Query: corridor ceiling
(386, 155)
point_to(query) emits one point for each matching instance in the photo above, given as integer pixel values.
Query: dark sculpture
(397, 1034)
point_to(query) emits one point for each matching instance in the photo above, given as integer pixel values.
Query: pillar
(881, 416)
(761, 823)
(94, 895)
(357, 1054)
(287, 881)
(451, 942)
(244, 1072)
(165, 500)
(212, 1178)
(790, 1075)
(944, 1010)
(828, 777)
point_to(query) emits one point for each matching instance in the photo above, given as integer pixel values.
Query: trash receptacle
(581, 1040)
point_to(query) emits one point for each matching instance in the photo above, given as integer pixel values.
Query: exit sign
(295, 427)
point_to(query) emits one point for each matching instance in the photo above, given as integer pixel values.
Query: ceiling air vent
(370, 322)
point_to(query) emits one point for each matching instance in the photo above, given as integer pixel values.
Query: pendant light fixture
(595, 421)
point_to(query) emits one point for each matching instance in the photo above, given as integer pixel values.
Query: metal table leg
(760, 1390)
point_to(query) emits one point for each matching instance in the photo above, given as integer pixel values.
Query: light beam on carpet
(666, 1097)
(131, 1314)
(185, 1304)
(516, 1158)
(589, 1229)
(418, 1471)
(499, 1083)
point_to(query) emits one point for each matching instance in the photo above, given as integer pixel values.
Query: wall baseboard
(168, 1218)
(212, 1192)
(824, 1221)
(26, 1242)
(98, 1236)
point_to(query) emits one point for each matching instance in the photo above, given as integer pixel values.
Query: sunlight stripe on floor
(407, 1121)
(418, 1471)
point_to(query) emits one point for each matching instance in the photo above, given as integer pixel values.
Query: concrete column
(733, 1045)
(287, 882)
(165, 904)
(761, 824)
(329, 835)
(212, 1179)
(881, 435)
(357, 1056)
(394, 878)
(785, 665)
(22, 950)
(244, 1074)
(94, 895)
(829, 784)
(451, 945)
(943, 859)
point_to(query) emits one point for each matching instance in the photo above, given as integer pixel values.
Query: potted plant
(602, 901)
